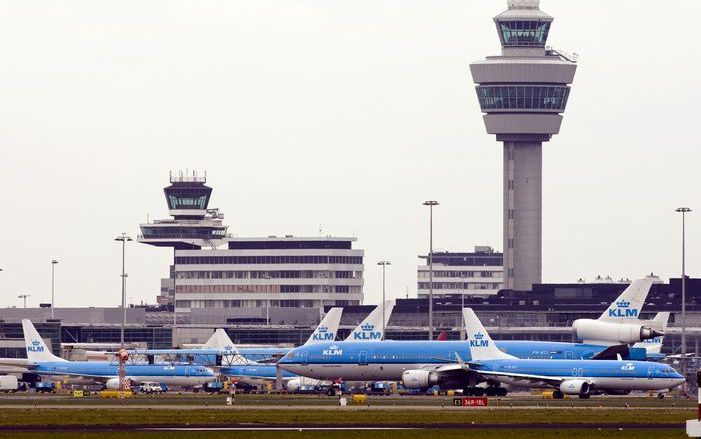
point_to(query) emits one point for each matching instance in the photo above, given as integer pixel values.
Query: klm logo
(332, 351)
(228, 348)
(35, 347)
(479, 341)
(628, 367)
(623, 310)
(656, 340)
(367, 332)
(322, 334)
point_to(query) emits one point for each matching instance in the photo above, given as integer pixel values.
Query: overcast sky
(344, 113)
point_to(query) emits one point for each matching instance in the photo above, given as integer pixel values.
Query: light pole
(384, 266)
(53, 266)
(683, 211)
(430, 205)
(124, 238)
(24, 297)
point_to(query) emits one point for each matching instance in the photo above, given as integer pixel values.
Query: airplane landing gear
(660, 396)
(558, 395)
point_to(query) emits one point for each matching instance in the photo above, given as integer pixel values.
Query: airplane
(387, 361)
(619, 323)
(42, 362)
(369, 328)
(567, 377)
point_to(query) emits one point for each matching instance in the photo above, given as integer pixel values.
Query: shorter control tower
(193, 224)
(523, 93)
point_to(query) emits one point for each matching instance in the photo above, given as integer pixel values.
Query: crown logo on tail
(623, 303)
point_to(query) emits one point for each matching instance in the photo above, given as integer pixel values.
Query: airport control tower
(523, 93)
(193, 224)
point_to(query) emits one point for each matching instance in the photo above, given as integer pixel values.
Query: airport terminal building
(545, 313)
(246, 277)
(478, 274)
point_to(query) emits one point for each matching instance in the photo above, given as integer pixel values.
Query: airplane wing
(612, 352)
(203, 351)
(529, 378)
(16, 362)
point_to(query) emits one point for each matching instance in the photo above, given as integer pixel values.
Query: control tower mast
(523, 93)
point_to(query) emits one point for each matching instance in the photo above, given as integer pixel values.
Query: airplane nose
(678, 381)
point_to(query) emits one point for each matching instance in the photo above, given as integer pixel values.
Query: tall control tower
(523, 93)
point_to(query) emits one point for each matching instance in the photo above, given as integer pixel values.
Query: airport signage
(470, 402)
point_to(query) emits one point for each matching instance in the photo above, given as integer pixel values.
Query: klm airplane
(424, 364)
(567, 377)
(256, 373)
(42, 362)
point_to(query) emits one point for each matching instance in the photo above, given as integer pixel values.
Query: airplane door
(187, 371)
(568, 355)
(649, 372)
(304, 359)
(363, 358)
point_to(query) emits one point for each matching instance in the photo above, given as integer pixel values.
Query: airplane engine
(113, 383)
(574, 387)
(293, 384)
(419, 379)
(596, 330)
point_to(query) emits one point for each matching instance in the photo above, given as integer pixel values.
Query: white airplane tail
(481, 345)
(220, 340)
(371, 327)
(629, 303)
(37, 351)
(326, 331)
(654, 345)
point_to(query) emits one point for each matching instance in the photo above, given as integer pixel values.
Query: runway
(328, 407)
(331, 427)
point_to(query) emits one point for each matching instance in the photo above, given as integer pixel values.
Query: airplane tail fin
(443, 336)
(654, 345)
(629, 303)
(326, 331)
(220, 340)
(481, 345)
(37, 351)
(371, 327)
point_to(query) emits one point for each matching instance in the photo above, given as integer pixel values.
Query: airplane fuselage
(175, 375)
(387, 361)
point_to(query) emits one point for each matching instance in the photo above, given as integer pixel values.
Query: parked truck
(8, 383)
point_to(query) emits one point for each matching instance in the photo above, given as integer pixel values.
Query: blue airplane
(423, 364)
(567, 377)
(42, 362)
